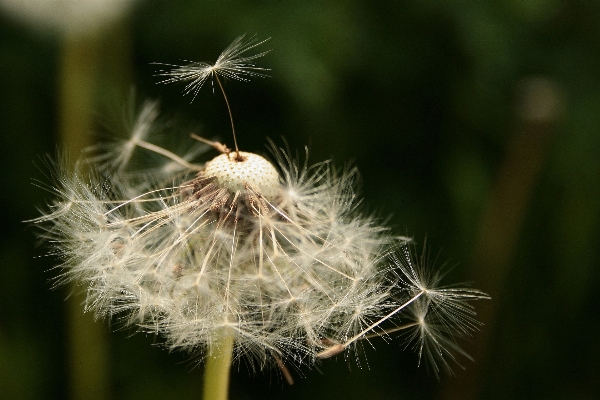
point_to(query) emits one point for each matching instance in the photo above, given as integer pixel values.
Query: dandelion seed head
(280, 259)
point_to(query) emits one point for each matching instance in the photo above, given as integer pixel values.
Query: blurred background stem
(539, 107)
(93, 67)
(78, 73)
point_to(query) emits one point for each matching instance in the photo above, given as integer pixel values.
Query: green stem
(78, 78)
(88, 358)
(88, 61)
(217, 370)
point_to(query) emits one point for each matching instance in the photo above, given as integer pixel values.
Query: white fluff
(278, 257)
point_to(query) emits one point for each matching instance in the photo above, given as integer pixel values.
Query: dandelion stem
(217, 369)
(237, 151)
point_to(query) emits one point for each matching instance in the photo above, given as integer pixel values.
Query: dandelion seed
(231, 64)
(438, 316)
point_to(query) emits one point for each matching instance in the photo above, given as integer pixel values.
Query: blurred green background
(474, 124)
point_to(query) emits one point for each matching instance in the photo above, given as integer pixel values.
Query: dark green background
(428, 99)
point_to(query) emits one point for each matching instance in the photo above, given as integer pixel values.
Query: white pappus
(276, 256)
